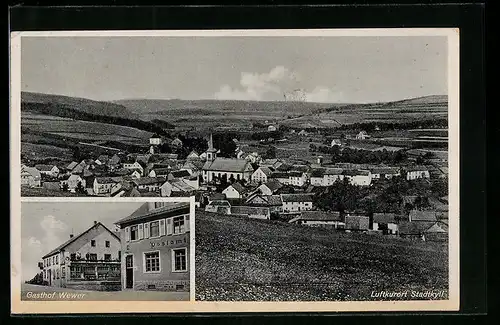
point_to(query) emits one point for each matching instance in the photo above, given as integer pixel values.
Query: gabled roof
(216, 197)
(74, 177)
(318, 216)
(296, 197)
(270, 200)
(228, 165)
(143, 211)
(71, 240)
(181, 186)
(266, 170)
(44, 168)
(273, 185)
(222, 203)
(385, 170)
(149, 180)
(417, 215)
(35, 173)
(384, 217)
(180, 173)
(238, 187)
(108, 180)
(247, 210)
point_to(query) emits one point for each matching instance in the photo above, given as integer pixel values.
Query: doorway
(129, 271)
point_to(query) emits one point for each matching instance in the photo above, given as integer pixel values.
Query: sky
(46, 225)
(315, 69)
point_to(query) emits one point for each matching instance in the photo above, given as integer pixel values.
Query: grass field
(239, 259)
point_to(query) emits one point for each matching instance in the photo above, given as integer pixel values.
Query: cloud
(278, 83)
(255, 86)
(323, 95)
(33, 248)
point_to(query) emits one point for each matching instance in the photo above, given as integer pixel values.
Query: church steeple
(211, 151)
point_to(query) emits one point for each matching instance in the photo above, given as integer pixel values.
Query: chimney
(70, 235)
(95, 222)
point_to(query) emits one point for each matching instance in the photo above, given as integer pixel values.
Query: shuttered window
(155, 228)
(146, 230)
(141, 231)
(127, 234)
(162, 227)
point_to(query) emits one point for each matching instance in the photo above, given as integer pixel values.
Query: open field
(53, 124)
(239, 259)
(41, 151)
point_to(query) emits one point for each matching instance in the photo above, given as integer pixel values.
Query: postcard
(235, 171)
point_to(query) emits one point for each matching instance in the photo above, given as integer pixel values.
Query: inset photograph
(105, 251)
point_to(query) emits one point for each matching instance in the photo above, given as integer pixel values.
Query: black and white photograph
(108, 251)
(323, 165)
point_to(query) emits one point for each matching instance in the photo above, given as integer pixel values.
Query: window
(154, 229)
(152, 262)
(178, 225)
(119, 255)
(92, 257)
(107, 257)
(72, 256)
(92, 243)
(107, 243)
(63, 272)
(159, 204)
(134, 232)
(179, 260)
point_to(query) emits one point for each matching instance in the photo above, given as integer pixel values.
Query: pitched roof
(273, 185)
(320, 216)
(228, 165)
(296, 197)
(270, 200)
(32, 171)
(220, 203)
(108, 180)
(74, 238)
(384, 217)
(417, 215)
(246, 210)
(149, 180)
(143, 211)
(385, 170)
(180, 173)
(333, 171)
(299, 168)
(44, 168)
(238, 187)
(356, 172)
(72, 165)
(414, 228)
(181, 185)
(74, 177)
(266, 170)
(216, 196)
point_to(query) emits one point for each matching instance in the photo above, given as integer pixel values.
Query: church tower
(211, 152)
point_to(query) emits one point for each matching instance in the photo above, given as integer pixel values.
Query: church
(218, 168)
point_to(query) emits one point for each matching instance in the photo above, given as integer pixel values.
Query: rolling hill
(79, 104)
(240, 259)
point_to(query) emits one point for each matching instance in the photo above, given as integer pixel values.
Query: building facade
(85, 261)
(155, 244)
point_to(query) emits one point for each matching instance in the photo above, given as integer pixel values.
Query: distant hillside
(240, 259)
(79, 104)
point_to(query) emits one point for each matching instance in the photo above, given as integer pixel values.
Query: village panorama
(383, 179)
(318, 165)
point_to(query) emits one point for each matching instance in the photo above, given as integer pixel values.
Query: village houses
(235, 191)
(262, 174)
(321, 219)
(296, 202)
(30, 176)
(48, 170)
(417, 172)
